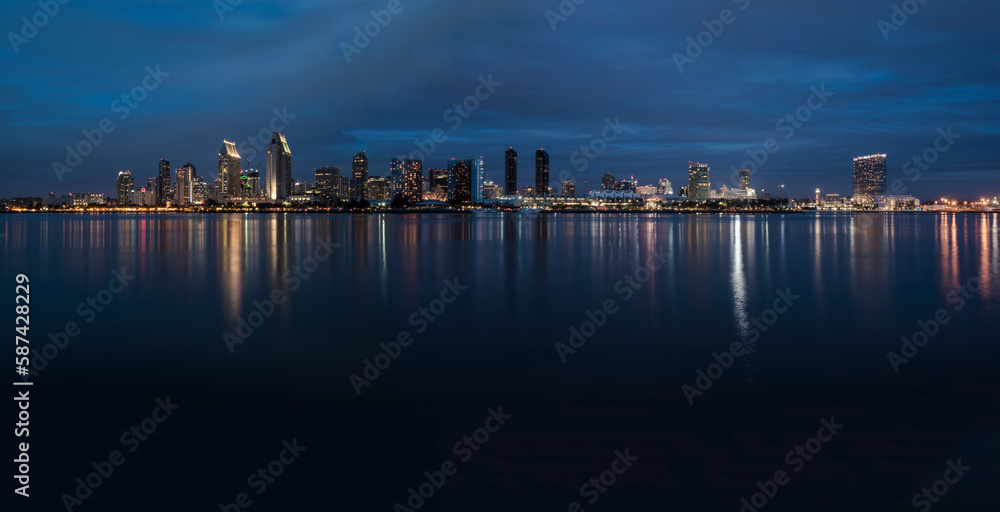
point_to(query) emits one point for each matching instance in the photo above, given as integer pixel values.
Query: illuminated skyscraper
(163, 183)
(698, 184)
(125, 186)
(359, 174)
(869, 176)
(460, 181)
(230, 165)
(608, 182)
(478, 177)
(328, 182)
(569, 189)
(744, 179)
(279, 168)
(541, 173)
(184, 195)
(405, 175)
(510, 172)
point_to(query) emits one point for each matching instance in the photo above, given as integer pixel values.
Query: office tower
(163, 183)
(869, 176)
(279, 168)
(359, 172)
(541, 173)
(397, 167)
(478, 177)
(744, 179)
(328, 182)
(253, 180)
(665, 187)
(344, 192)
(413, 175)
(125, 186)
(460, 181)
(698, 185)
(608, 181)
(184, 193)
(230, 165)
(152, 188)
(491, 190)
(199, 190)
(569, 189)
(438, 182)
(377, 189)
(628, 185)
(405, 176)
(510, 172)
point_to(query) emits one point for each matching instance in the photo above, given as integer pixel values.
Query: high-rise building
(698, 184)
(279, 168)
(163, 183)
(460, 181)
(184, 193)
(397, 169)
(478, 179)
(377, 189)
(253, 180)
(359, 173)
(744, 180)
(125, 186)
(541, 173)
(869, 176)
(569, 189)
(491, 190)
(438, 183)
(328, 182)
(405, 176)
(510, 172)
(608, 182)
(413, 176)
(199, 190)
(230, 165)
(665, 187)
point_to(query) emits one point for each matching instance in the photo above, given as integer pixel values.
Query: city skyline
(666, 116)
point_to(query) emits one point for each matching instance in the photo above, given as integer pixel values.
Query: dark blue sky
(605, 60)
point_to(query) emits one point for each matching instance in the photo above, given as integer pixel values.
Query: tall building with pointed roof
(279, 168)
(230, 164)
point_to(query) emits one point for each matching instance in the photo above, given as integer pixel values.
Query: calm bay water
(857, 283)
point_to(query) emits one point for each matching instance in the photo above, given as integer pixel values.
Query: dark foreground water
(486, 305)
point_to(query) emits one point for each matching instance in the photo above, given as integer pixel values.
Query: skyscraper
(664, 187)
(125, 186)
(359, 172)
(413, 176)
(541, 173)
(185, 185)
(460, 181)
(510, 172)
(163, 183)
(438, 182)
(569, 189)
(478, 178)
(608, 181)
(230, 164)
(744, 179)
(279, 168)
(698, 184)
(328, 182)
(405, 176)
(869, 176)
(397, 170)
